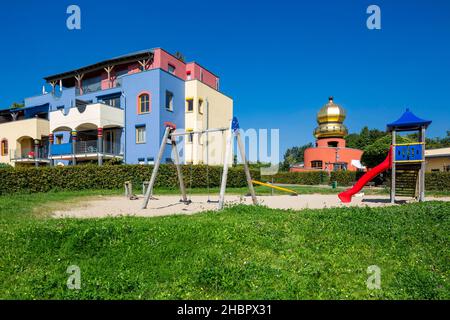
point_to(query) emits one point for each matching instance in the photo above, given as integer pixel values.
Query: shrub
(307, 178)
(343, 178)
(44, 179)
(437, 181)
(5, 166)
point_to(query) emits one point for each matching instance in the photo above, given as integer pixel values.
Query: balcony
(29, 155)
(34, 128)
(86, 150)
(97, 115)
(98, 85)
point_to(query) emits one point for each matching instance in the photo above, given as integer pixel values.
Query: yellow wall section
(438, 163)
(20, 135)
(220, 115)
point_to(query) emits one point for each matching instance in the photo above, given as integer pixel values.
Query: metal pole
(422, 167)
(148, 194)
(179, 171)
(393, 174)
(246, 169)
(223, 184)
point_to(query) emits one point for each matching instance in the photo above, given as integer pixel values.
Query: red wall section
(162, 60)
(324, 142)
(197, 71)
(329, 155)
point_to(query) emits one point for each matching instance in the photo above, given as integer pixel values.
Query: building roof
(441, 152)
(130, 57)
(408, 121)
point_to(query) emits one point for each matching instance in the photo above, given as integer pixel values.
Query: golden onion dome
(330, 119)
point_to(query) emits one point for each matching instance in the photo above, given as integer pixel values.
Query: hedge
(437, 181)
(44, 179)
(343, 178)
(307, 178)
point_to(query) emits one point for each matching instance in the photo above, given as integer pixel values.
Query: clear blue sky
(279, 60)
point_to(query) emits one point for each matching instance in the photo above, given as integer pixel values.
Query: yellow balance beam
(274, 187)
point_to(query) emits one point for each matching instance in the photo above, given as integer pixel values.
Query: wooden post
(422, 167)
(79, 78)
(179, 171)
(148, 194)
(128, 189)
(393, 167)
(246, 169)
(144, 186)
(108, 70)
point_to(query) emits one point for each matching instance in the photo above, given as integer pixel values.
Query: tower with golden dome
(330, 152)
(331, 121)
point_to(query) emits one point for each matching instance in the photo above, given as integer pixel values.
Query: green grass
(243, 252)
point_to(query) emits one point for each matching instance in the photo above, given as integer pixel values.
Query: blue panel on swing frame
(235, 124)
(408, 152)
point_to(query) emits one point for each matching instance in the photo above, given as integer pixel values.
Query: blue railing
(84, 147)
(61, 149)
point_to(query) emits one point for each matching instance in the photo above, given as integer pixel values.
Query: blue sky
(279, 60)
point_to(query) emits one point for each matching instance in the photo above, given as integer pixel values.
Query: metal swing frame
(171, 133)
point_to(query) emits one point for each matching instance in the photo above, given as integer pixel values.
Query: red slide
(346, 196)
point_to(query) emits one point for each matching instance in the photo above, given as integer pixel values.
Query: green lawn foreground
(243, 252)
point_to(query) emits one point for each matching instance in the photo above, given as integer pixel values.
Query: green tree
(16, 105)
(433, 143)
(364, 138)
(294, 155)
(376, 152)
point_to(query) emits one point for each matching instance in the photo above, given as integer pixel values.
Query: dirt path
(104, 206)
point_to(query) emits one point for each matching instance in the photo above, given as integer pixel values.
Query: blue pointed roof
(408, 121)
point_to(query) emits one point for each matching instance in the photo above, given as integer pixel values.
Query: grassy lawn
(241, 253)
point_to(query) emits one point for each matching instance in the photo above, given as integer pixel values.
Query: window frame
(190, 99)
(171, 66)
(169, 106)
(139, 102)
(315, 162)
(200, 104)
(137, 135)
(4, 146)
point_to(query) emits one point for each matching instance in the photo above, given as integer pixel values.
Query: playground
(115, 206)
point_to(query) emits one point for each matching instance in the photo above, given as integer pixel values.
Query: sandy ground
(104, 206)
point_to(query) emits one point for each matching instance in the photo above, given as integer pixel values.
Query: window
(446, 168)
(332, 144)
(201, 75)
(189, 105)
(171, 68)
(140, 134)
(4, 147)
(190, 137)
(188, 75)
(151, 160)
(141, 161)
(169, 160)
(316, 164)
(59, 139)
(435, 170)
(144, 103)
(111, 101)
(169, 101)
(200, 106)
